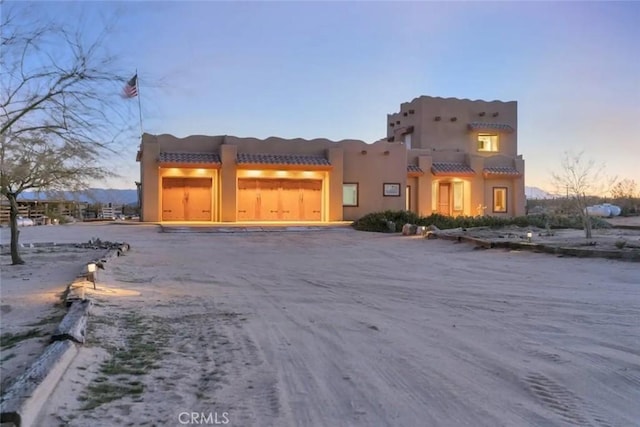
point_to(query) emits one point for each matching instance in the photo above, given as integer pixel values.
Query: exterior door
(311, 196)
(186, 199)
(279, 200)
(268, 199)
(444, 199)
(172, 199)
(290, 200)
(197, 205)
(247, 200)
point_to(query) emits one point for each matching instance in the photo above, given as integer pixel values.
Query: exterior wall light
(386, 153)
(363, 152)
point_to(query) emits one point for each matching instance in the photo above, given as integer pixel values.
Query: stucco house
(446, 155)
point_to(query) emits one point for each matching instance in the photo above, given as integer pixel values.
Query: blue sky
(335, 69)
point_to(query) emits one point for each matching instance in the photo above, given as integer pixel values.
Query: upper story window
(487, 142)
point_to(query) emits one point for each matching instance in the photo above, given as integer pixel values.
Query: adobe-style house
(453, 156)
(468, 151)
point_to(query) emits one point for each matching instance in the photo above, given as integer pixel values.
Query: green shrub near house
(377, 221)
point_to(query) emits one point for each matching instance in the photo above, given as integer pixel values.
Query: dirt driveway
(349, 328)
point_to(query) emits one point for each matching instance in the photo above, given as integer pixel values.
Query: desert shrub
(401, 218)
(599, 223)
(377, 221)
(620, 244)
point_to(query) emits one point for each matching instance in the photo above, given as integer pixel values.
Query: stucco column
(335, 156)
(228, 186)
(477, 187)
(519, 199)
(149, 178)
(425, 186)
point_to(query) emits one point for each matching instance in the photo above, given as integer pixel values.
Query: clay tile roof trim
(451, 169)
(181, 157)
(490, 126)
(414, 169)
(502, 171)
(282, 159)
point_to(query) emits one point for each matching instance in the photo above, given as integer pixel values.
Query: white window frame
(353, 188)
(458, 196)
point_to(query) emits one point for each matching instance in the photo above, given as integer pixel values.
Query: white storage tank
(615, 210)
(599, 210)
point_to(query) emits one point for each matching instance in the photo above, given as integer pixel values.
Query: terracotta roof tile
(181, 157)
(451, 169)
(490, 126)
(502, 171)
(414, 169)
(282, 159)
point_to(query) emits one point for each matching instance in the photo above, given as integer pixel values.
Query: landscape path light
(91, 270)
(529, 236)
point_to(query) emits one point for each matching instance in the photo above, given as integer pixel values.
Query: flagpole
(139, 102)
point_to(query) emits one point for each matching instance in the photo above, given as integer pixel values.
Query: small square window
(350, 194)
(487, 142)
(500, 199)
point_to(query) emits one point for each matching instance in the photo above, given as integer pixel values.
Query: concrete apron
(244, 227)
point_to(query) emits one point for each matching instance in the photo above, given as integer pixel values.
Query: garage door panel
(186, 199)
(247, 200)
(279, 200)
(268, 200)
(312, 201)
(172, 199)
(198, 199)
(290, 201)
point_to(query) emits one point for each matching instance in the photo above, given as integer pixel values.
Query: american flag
(130, 90)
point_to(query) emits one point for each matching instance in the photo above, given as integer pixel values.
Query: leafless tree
(625, 194)
(581, 178)
(60, 108)
(627, 188)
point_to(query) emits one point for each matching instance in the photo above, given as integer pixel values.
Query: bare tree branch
(581, 178)
(59, 109)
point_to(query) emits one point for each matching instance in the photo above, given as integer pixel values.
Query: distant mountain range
(91, 195)
(126, 197)
(538, 193)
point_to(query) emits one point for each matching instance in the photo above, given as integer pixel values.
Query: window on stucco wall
(487, 142)
(500, 199)
(407, 201)
(350, 194)
(458, 196)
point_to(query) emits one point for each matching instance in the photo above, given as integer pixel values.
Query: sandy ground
(30, 298)
(349, 328)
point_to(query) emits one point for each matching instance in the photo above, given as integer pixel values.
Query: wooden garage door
(279, 200)
(186, 199)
